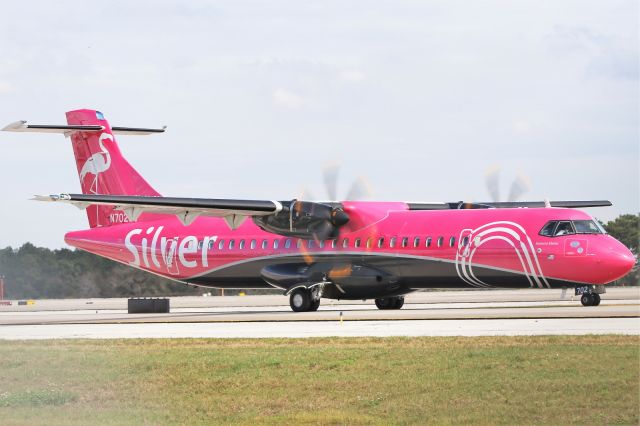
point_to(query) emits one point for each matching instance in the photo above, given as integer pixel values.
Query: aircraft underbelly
(409, 272)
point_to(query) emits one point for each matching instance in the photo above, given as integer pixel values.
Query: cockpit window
(564, 228)
(547, 230)
(557, 228)
(586, 227)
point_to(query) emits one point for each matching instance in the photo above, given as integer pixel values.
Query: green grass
(506, 380)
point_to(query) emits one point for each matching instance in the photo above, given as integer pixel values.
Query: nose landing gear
(589, 294)
(590, 299)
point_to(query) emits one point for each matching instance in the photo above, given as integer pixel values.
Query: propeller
(330, 177)
(520, 186)
(492, 180)
(329, 228)
(359, 189)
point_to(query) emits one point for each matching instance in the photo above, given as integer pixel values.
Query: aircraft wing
(186, 209)
(461, 205)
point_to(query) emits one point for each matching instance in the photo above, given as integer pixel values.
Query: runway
(447, 313)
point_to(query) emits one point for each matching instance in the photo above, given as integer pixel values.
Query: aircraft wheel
(399, 302)
(300, 300)
(314, 306)
(587, 299)
(385, 303)
(596, 299)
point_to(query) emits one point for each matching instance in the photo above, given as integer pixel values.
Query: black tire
(399, 302)
(300, 300)
(587, 300)
(385, 303)
(596, 299)
(314, 306)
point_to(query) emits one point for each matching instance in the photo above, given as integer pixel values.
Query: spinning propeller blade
(519, 186)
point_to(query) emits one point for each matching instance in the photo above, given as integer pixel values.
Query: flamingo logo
(97, 163)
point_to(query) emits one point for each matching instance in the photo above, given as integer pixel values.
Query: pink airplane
(337, 250)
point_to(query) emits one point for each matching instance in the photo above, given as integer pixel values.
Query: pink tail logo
(97, 163)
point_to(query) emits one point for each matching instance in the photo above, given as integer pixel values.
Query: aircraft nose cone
(619, 261)
(626, 261)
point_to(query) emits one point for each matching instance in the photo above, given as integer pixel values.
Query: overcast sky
(421, 97)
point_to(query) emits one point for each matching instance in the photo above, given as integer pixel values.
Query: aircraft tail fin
(102, 168)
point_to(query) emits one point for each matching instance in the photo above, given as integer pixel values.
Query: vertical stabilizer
(102, 168)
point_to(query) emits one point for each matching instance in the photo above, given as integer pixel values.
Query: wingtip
(52, 197)
(15, 126)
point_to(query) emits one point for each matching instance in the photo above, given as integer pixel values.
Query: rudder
(101, 167)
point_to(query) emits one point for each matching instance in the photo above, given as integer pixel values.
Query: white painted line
(501, 327)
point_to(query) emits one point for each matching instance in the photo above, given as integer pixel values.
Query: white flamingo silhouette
(97, 163)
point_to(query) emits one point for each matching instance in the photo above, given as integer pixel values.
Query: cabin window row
(288, 243)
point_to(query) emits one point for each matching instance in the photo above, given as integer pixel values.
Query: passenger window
(211, 243)
(547, 230)
(452, 241)
(405, 241)
(276, 243)
(334, 243)
(357, 242)
(310, 244)
(241, 245)
(392, 242)
(440, 241)
(369, 242)
(428, 241)
(465, 241)
(232, 243)
(287, 243)
(416, 242)
(564, 228)
(253, 244)
(345, 243)
(381, 242)
(221, 245)
(299, 244)
(200, 243)
(321, 244)
(265, 243)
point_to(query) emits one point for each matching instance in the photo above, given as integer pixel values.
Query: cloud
(286, 98)
(352, 76)
(521, 126)
(5, 87)
(606, 56)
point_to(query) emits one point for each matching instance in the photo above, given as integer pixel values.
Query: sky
(419, 97)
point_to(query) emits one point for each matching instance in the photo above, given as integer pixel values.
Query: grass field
(507, 380)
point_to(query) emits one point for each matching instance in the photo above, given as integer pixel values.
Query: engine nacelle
(342, 281)
(305, 219)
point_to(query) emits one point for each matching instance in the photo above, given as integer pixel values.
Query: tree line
(41, 273)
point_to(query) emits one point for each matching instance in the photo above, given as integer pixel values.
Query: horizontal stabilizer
(135, 130)
(22, 126)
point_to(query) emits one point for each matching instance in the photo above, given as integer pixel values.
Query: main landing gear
(303, 300)
(390, 302)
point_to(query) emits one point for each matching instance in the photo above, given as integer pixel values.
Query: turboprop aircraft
(338, 249)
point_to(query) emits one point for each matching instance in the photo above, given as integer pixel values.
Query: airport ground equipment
(148, 306)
